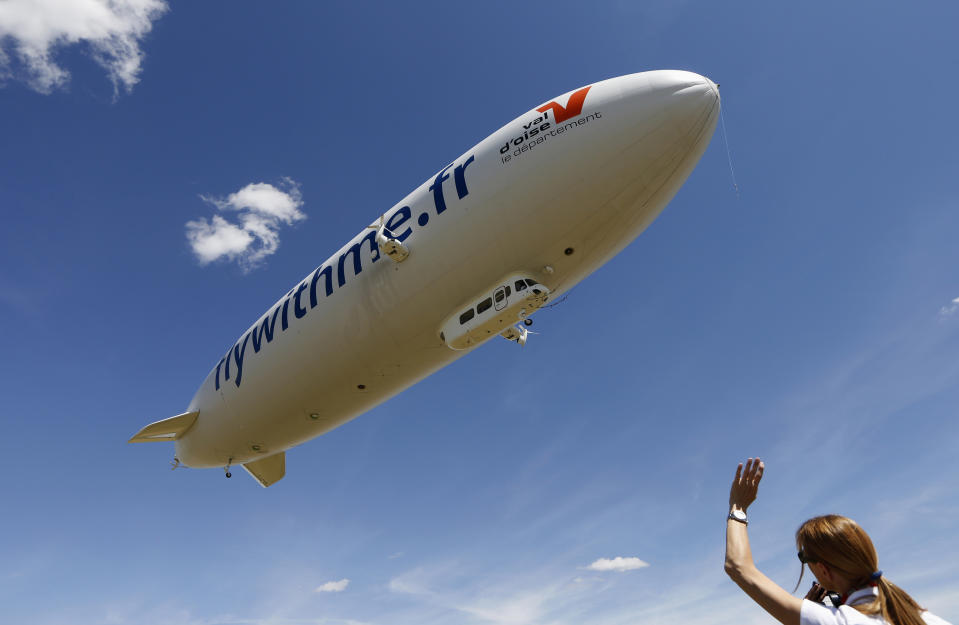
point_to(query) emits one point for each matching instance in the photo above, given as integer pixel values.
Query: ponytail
(894, 605)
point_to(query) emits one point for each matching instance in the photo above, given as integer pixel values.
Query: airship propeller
(389, 245)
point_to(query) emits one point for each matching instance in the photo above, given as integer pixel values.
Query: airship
(468, 256)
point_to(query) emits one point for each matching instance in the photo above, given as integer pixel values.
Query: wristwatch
(738, 515)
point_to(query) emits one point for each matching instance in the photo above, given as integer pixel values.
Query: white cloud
(31, 31)
(951, 309)
(217, 238)
(262, 210)
(339, 586)
(618, 563)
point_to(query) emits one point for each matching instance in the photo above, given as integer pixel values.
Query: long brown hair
(839, 542)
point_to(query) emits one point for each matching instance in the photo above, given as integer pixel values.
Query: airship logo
(573, 107)
(542, 124)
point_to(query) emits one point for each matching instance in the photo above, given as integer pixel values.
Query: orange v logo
(573, 107)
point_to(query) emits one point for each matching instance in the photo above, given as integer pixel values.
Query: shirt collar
(862, 595)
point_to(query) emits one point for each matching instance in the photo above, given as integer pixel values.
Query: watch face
(739, 514)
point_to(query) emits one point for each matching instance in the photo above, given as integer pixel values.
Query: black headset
(835, 599)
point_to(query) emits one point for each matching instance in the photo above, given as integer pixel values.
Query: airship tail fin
(268, 470)
(167, 429)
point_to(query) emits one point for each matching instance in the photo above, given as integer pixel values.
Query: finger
(739, 471)
(760, 469)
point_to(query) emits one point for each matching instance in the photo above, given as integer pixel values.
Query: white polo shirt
(813, 613)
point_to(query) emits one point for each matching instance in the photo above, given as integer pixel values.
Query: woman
(838, 552)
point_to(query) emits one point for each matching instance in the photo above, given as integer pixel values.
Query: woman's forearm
(739, 556)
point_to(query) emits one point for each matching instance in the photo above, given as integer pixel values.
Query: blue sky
(812, 318)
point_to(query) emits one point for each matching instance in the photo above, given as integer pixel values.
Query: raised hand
(746, 483)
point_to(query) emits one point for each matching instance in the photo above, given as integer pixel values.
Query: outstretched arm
(739, 558)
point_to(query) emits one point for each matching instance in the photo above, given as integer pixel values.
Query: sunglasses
(803, 558)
